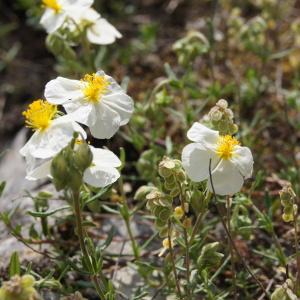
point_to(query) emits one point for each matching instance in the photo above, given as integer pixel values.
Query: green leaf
(14, 265)
(48, 213)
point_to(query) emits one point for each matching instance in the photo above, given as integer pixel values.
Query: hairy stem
(233, 271)
(173, 260)
(231, 239)
(126, 216)
(81, 237)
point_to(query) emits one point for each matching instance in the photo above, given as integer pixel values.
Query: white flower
(102, 172)
(56, 12)
(98, 30)
(51, 134)
(230, 163)
(96, 101)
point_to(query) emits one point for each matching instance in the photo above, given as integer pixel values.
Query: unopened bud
(83, 156)
(19, 288)
(187, 223)
(59, 171)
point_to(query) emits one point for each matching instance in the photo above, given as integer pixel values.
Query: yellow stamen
(39, 114)
(53, 4)
(95, 87)
(226, 146)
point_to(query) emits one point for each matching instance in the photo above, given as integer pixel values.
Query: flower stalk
(81, 237)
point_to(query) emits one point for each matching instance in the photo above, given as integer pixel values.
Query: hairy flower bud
(221, 118)
(59, 170)
(19, 288)
(83, 156)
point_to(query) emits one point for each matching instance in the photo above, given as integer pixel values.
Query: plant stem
(173, 260)
(233, 271)
(126, 216)
(231, 239)
(81, 236)
(297, 252)
(196, 227)
(187, 248)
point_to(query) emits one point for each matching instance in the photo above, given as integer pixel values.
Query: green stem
(231, 249)
(231, 239)
(126, 216)
(297, 253)
(187, 248)
(81, 236)
(173, 260)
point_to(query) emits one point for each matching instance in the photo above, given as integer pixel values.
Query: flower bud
(59, 171)
(83, 156)
(287, 195)
(142, 192)
(187, 223)
(19, 288)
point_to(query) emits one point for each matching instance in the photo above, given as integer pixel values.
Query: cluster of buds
(192, 45)
(69, 164)
(253, 33)
(235, 23)
(173, 174)
(221, 118)
(284, 292)
(209, 256)
(19, 288)
(160, 206)
(288, 197)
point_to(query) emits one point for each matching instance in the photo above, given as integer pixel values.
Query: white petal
(99, 176)
(47, 143)
(82, 3)
(102, 32)
(81, 111)
(40, 172)
(107, 122)
(226, 178)
(202, 134)
(52, 21)
(121, 103)
(105, 158)
(195, 160)
(62, 90)
(243, 160)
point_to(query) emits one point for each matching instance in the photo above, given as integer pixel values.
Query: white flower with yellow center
(230, 163)
(98, 30)
(51, 134)
(56, 12)
(102, 172)
(96, 101)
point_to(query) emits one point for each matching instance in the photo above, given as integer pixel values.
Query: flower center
(226, 146)
(53, 4)
(95, 87)
(39, 114)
